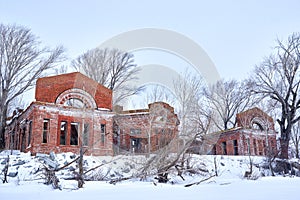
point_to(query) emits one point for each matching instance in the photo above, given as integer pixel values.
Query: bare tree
(188, 89)
(173, 156)
(157, 93)
(227, 98)
(60, 70)
(278, 78)
(112, 68)
(193, 124)
(22, 61)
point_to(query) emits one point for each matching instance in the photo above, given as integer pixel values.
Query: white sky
(236, 35)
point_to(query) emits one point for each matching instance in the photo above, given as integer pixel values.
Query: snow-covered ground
(266, 188)
(228, 185)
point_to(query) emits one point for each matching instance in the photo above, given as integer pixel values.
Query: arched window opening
(75, 102)
(257, 126)
(77, 98)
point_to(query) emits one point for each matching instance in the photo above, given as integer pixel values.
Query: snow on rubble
(25, 179)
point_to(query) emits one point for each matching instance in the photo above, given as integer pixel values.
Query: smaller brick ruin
(253, 135)
(146, 130)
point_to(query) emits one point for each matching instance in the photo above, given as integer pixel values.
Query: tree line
(273, 84)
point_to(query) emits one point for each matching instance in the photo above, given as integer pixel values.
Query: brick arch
(260, 122)
(76, 93)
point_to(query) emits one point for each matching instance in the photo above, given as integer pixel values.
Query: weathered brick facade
(72, 110)
(49, 89)
(146, 130)
(254, 135)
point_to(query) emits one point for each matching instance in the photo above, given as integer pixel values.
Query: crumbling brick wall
(254, 135)
(50, 125)
(151, 128)
(49, 88)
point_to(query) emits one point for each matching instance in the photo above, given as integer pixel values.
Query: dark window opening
(257, 126)
(45, 130)
(85, 138)
(248, 145)
(103, 130)
(63, 132)
(29, 133)
(74, 134)
(23, 139)
(235, 148)
(135, 145)
(260, 146)
(224, 148)
(255, 146)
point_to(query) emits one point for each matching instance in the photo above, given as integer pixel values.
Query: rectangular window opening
(224, 148)
(260, 146)
(63, 132)
(46, 129)
(103, 130)
(248, 146)
(255, 146)
(235, 148)
(29, 133)
(74, 134)
(103, 127)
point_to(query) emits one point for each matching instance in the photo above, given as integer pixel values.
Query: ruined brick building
(254, 134)
(146, 130)
(72, 110)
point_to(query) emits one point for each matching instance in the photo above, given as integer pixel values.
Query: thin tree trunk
(80, 165)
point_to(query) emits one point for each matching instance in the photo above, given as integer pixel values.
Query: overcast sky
(236, 35)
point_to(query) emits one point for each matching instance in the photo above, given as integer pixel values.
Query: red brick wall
(244, 119)
(229, 137)
(259, 141)
(159, 121)
(37, 112)
(261, 146)
(49, 88)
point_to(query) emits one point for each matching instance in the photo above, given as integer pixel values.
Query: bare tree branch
(112, 68)
(227, 98)
(22, 61)
(278, 77)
